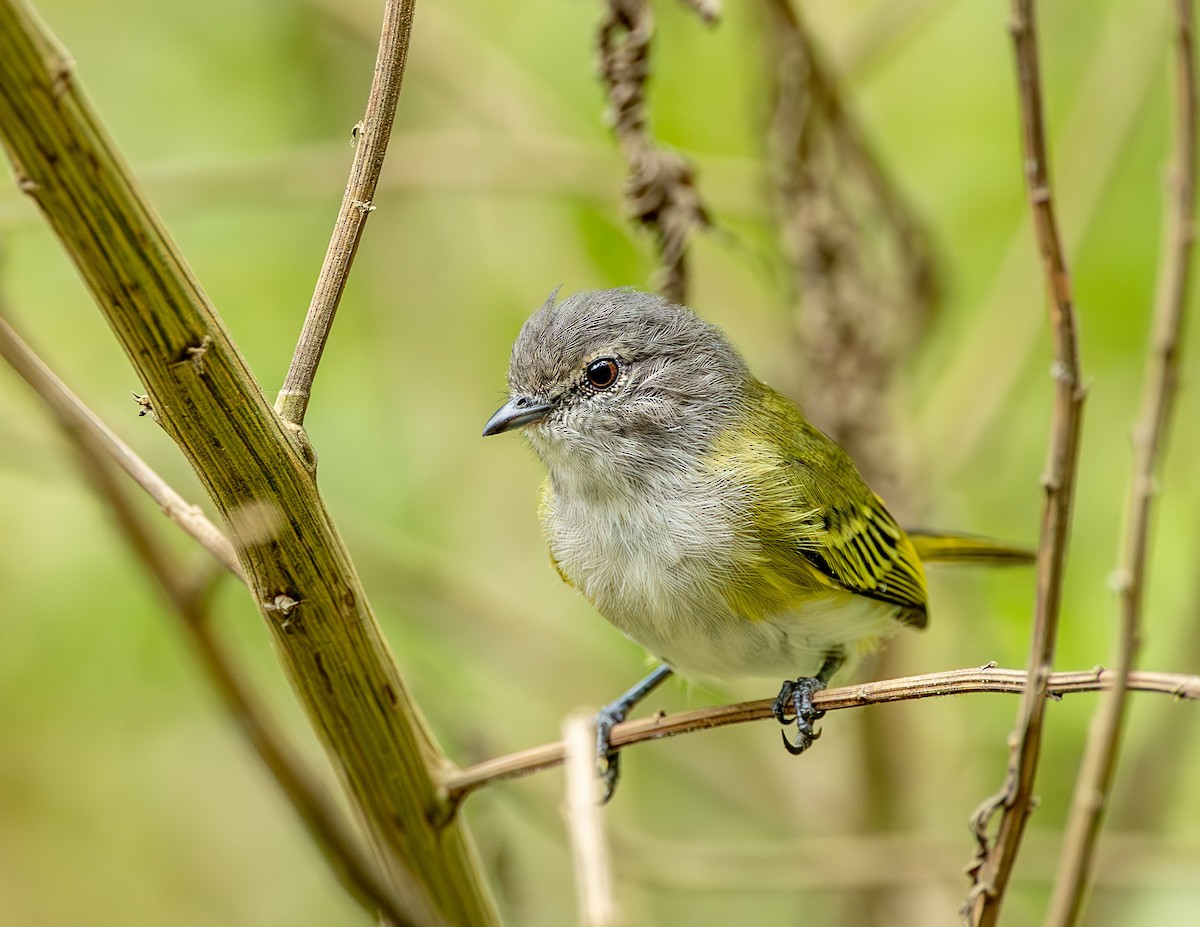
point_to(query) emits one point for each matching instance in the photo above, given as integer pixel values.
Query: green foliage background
(126, 797)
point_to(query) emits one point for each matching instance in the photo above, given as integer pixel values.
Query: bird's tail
(939, 547)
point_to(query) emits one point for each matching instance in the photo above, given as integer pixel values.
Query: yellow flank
(545, 506)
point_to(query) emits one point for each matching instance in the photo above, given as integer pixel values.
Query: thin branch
(993, 864)
(459, 783)
(661, 185)
(1150, 431)
(371, 137)
(81, 422)
(585, 824)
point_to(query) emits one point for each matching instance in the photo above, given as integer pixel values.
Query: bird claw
(796, 695)
(608, 760)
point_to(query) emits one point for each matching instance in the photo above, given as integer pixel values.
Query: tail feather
(939, 547)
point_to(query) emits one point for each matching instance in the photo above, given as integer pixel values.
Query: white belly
(659, 579)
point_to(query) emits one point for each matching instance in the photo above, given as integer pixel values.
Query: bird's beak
(518, 411)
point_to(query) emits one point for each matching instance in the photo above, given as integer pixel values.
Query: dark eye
(602, 372)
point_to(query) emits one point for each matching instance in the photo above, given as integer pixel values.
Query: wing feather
(813, 502)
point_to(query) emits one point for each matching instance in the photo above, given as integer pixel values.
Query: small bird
(699, 511)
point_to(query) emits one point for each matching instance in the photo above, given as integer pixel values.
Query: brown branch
(993, 864)
(1096, 773)
(661, 185)
(371, 137)
(865, 285)
(459, 783)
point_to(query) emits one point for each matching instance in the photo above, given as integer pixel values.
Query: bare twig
(371, 138)
(79, 420)
(459, 783)
(959, 408)
(98, 450)
(993, 864)
(660, 189)
(593, 876)
(1096, 773)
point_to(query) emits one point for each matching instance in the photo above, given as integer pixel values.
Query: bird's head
(617, 377)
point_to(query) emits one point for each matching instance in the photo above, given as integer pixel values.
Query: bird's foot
(795, 699)
(608, 760)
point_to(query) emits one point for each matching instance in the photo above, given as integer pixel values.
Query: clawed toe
(795, 699)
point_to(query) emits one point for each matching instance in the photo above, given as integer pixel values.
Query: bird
(701, 513)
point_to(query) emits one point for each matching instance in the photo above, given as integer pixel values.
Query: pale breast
(658, 572)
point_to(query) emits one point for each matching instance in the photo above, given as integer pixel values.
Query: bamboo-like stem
(99, 450)
(993, 864)
(1149, 438)
(205, 398)
(371, 138)
(459, 783)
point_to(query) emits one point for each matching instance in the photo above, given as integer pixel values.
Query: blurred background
(126, 796)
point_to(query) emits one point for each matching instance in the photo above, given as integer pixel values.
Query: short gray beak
(518, 411)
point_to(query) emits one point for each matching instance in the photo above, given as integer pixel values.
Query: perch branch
(371, 140)
(1149, 439)
(993, 863)
(459, 783)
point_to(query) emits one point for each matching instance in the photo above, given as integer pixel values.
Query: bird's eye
(602, 372)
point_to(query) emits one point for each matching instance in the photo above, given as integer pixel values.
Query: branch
(298, 571)
(98, 450)
(661, 186)
(993, 862)
(459, 783)
(371, 136)
(1096, 773)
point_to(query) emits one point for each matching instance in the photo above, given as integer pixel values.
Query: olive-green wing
(841, 529)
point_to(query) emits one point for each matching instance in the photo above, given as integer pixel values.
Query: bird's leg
(612, 714)
(796, 695)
